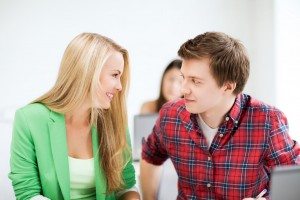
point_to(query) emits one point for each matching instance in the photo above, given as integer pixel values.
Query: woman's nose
(119, 86)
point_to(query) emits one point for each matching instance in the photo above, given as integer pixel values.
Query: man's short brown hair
(229, 61)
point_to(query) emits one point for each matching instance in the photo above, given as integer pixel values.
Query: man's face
(200, 89)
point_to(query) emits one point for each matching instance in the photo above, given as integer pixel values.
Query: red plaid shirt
(252, 140)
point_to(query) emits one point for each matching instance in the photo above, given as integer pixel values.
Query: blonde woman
(72, 143)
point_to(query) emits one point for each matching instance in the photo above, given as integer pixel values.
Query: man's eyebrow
(194, 77)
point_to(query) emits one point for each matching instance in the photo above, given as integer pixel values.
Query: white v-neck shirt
(82, 180)
(208, 132)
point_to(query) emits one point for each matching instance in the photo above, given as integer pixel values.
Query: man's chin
(192, 110)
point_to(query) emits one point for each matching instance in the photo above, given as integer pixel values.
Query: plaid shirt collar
(234, 114)
(236, 110)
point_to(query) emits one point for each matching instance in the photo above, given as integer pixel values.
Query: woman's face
(110, 80)
(172, 84)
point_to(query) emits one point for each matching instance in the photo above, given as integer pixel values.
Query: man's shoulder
(148, 107)
(174, 108)
(261, 108)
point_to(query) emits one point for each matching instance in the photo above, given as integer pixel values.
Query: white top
(208, 132)
(82, 178)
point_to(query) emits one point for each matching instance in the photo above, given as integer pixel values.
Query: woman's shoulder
(148, 107)
(37, 110)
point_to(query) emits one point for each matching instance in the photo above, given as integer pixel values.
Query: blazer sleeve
(23, 164)
(128, 172)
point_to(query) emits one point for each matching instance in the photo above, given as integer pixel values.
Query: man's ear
(229, 87)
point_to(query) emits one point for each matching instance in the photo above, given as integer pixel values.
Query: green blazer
(39, 156)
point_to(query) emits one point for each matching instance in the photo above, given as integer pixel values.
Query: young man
(223, 143)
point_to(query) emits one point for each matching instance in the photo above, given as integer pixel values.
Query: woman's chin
(103, 106)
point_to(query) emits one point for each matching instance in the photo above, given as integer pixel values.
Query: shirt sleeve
(282, 149)
(23, 163)
(153, 150)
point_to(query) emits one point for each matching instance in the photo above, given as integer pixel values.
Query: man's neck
(214, 117)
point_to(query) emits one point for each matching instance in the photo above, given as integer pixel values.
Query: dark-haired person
(169, 88)
(223, 143)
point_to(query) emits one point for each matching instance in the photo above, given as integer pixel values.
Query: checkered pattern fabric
(252, 140)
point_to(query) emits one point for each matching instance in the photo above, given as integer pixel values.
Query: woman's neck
(79, 117)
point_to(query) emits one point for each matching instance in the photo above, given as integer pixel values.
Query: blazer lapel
(99, 174)
(57, 130)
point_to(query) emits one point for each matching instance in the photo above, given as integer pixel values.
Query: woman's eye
(115, 75)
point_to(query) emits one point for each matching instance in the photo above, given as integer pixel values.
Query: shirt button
(208, 158)
(208, 185)
(226, 118)
(221, 135)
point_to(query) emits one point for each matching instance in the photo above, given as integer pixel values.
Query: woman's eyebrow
(116, 70)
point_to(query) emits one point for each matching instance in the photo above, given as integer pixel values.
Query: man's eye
(195, 81)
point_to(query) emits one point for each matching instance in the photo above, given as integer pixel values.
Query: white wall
(262, 74)
(34, 34)
(287, 61)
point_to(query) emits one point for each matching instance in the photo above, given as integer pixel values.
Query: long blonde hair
(78, 80)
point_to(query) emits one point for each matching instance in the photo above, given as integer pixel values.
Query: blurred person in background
(169, 88)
